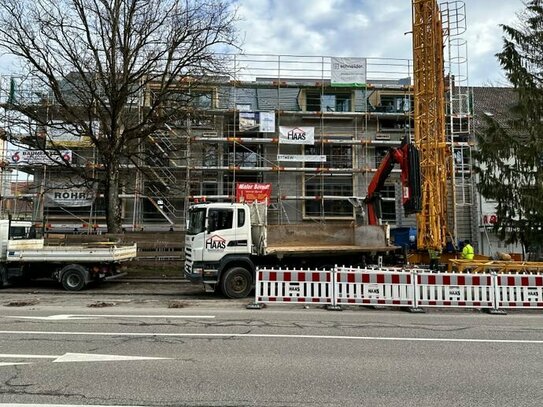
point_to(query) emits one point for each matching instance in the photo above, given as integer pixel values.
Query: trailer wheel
(237, 282)
(73, 278)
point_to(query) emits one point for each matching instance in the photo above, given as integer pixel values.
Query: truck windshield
(19, 232)
(197, 220)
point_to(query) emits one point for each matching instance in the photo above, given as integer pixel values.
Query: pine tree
(510, 154)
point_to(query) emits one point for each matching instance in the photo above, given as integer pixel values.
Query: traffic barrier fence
(411, 288)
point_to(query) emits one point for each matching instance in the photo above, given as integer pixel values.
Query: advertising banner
(248, 192)
(247, 121)
(348, 71)
(263, 122)
(61, 194)
(267, 122)
(296, 135)
(48, 157)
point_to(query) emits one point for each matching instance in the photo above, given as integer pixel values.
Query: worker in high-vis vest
(467, 251)
(434, 254)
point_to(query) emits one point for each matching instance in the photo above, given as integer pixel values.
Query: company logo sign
(215, 243)
(296, 135)
(250, 192)
(49, 157)
(348, 71)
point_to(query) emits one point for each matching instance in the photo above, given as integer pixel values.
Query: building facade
(291, 122)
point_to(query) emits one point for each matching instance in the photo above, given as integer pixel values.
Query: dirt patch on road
(22, 303)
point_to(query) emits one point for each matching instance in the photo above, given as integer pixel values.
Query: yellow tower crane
(429, 123)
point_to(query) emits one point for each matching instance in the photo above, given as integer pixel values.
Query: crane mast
(429, 123)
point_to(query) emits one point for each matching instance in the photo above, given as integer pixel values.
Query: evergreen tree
(510, 153)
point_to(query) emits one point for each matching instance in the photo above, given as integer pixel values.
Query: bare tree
(100, 61)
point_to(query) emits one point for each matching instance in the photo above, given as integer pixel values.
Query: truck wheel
(237, 282)
(73, 278)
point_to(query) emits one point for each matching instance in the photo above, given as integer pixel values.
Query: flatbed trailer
(35, 250)
(23, 257)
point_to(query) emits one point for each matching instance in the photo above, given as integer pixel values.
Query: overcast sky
(368, 28)
(362, 28)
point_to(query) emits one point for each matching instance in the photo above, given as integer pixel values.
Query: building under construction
(308, 128)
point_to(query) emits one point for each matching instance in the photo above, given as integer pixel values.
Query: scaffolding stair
(164, 206)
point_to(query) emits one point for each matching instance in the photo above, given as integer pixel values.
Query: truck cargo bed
(35, 251)
(319, 239)
(325, 249)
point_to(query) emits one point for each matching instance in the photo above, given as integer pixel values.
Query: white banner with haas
(296, 135)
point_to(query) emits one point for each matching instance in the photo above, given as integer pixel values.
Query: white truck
(23, 256)
(226, 242)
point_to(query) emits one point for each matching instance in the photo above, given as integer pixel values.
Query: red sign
(249, 192)
(490, 219)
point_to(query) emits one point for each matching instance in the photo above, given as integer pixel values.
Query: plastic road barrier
(280, 286)
(409, 288)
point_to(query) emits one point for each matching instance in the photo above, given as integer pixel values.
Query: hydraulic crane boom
(407, 156)
(429, 122)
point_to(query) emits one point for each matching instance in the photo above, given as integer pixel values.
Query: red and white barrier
(519, 291)
(410, 288)
(372, 287)
(454, 290)
(287, 286)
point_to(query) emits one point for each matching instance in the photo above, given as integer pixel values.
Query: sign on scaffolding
(31, 157)
(302, 158)
(249, 192)
(64, 193)
(348, 71)
(263, 122)
(296, 135)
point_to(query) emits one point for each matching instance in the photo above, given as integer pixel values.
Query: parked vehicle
(23, 256)
(226, 242)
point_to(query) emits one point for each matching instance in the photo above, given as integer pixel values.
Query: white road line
(64, 317)
(18, 356)
(58, 405)
(284, 336)
(80, 357)
(74, 357)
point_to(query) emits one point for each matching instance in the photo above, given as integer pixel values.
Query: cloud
(366, 28)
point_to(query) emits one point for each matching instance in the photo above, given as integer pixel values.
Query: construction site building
(240, 135)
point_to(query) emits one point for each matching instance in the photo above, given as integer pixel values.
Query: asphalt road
(191, 349)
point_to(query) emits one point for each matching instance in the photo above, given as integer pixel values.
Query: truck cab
(11, 230)
(218, 247)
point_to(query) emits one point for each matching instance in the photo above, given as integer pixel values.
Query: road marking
(74, 357)
(19, 356)
(79, 357)
(64, 317)
(89, 357)
(283, 336)
(57, 405)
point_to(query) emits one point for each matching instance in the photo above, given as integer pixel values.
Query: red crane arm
(407, 157)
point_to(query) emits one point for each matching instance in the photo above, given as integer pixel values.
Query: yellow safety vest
(468, 252)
